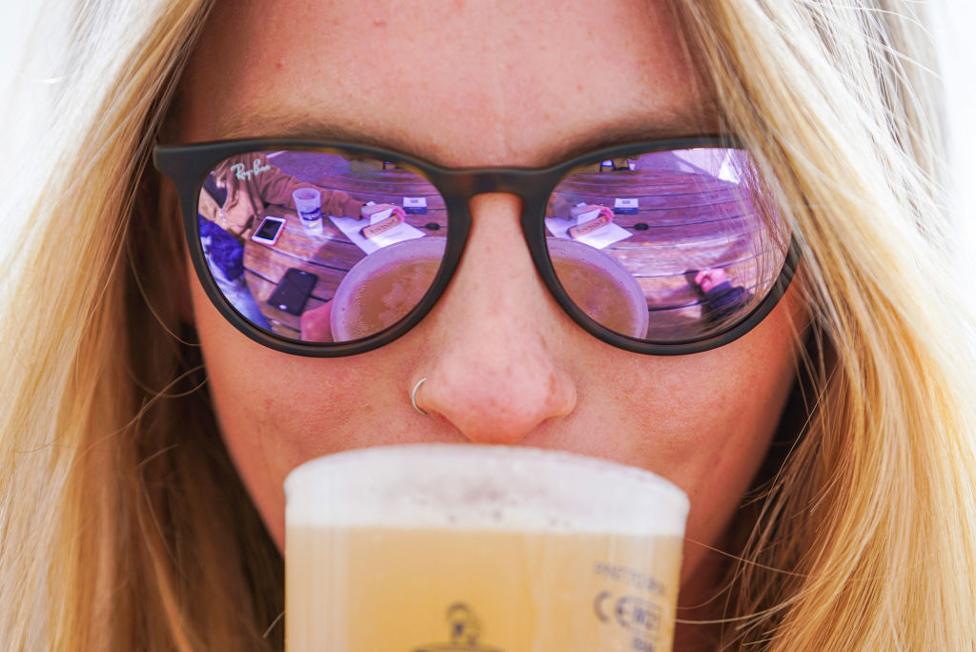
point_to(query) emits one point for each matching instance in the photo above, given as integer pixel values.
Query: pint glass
(476, 548)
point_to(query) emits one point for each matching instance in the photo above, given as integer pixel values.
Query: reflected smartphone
(269, 230)
(293, 291)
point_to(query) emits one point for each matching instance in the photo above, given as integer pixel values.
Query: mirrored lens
(320, 246)
(666, 246)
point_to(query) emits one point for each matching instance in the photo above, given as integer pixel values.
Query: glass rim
(400, 485)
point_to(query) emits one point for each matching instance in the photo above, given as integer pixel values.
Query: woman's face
(480, 84)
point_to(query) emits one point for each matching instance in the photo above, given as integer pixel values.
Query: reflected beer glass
(473, 548)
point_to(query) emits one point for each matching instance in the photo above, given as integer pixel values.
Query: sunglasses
(327, 249)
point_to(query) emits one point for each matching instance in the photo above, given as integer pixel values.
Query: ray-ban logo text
(242, 173)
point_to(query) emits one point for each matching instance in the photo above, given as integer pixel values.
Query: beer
(603, 295)
(383, 287)
(600, 285)
(449, 552)
(411, 590)
(384, 296)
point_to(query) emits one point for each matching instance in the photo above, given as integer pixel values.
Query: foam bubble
(482, 487)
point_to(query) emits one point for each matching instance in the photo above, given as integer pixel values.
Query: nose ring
(413, 397)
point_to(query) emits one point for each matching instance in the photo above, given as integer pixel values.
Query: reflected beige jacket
(253, 184)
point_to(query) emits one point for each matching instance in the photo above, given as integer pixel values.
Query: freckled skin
(482, 84)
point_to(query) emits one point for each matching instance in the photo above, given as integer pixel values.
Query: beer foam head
(482, 487)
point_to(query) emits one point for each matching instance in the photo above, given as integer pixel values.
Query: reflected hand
(605, 211)
(316, 323)
(366, 211)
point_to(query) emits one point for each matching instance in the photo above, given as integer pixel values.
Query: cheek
(709, 436)
(245, 402)
(266, 403)
(706, 420)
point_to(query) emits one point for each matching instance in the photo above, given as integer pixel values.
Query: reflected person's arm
(208, 207)
(558, 206)
(340, 204)
(276, 187)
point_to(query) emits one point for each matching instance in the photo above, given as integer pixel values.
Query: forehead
(458, 83)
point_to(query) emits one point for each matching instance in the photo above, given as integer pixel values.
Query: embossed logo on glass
(465, 630)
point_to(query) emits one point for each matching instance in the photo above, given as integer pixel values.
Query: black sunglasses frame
(189, 164)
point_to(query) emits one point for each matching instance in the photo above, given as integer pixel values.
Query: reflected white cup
(308, 205)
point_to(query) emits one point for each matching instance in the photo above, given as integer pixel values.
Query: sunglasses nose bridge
(525, 183)
(531, 186)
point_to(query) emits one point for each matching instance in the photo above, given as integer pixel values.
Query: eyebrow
(632, 126)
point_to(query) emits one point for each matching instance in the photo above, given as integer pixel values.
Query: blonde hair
(124, 525)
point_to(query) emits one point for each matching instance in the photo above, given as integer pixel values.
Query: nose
(496, 374)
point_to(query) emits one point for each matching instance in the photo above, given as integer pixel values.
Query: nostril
(501, 404)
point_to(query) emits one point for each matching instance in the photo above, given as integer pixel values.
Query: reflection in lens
(383, 287)
(687, 227)
(319, 245)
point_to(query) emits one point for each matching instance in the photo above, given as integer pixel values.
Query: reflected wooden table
(685, 221)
